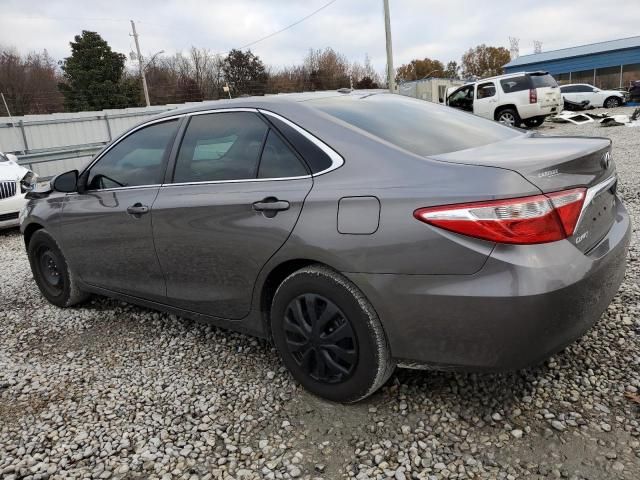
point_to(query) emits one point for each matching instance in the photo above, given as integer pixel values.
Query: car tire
(612, 102)
(534, 122)
(329, 336)
(51, 271)
(509, 117)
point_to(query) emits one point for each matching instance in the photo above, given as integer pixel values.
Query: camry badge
(606, 160)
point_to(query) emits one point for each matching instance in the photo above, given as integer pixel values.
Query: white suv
(11, 191)
(527, 97)
(579, 92)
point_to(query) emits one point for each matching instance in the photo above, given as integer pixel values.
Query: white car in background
(579, 92)
(12, 192)
(512, 99)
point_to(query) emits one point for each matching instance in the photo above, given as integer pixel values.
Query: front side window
(220, 146)
(462, 98)
(138, 159)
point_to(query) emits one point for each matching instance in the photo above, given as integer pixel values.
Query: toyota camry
(359, 231)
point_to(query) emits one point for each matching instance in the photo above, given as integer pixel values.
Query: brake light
(533, 95)
(522, 221)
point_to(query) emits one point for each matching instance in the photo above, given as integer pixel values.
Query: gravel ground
(115, 391)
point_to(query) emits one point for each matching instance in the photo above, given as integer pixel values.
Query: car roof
(270, 100)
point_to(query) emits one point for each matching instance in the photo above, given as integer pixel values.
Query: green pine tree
(94, 76)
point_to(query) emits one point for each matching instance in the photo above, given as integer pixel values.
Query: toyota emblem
(606, 160)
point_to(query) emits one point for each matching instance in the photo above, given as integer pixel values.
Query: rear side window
(486, 90)
(515, 84)
(278, 161)
(540, 81)
(138, 159)
(220, 146)
(421, 127)
(317, 159)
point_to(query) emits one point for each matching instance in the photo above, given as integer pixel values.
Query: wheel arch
(506, 106)
(29, 231)
(272, 281)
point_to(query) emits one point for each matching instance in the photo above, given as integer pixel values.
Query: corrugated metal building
(612, 64)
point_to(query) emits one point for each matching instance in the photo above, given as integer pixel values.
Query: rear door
(236, 193)
(486, 100)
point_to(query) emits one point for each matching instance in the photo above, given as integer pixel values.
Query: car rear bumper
(526, 303)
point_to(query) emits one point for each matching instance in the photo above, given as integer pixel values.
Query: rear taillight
(533, 95)
(522, 221)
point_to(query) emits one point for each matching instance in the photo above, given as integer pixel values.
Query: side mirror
(66, 182)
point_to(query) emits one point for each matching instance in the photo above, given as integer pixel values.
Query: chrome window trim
(593, 192)
(336, 160)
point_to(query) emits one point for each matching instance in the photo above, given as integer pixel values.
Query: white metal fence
(54, 143)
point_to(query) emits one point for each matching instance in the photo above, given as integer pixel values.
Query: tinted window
(278, 160)
(220, 146)
(545, 80)
(423, 128)
(139, 159)
(584, 89)
(311, 153)
(486, 90)
(515, 84)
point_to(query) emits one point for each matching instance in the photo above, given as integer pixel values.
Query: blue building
(612, 64)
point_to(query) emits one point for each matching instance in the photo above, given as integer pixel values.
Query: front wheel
(612, 102)
(534, 122)
(508, 117)
(329, 336)
(51, 271)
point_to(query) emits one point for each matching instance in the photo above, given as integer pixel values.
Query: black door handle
(270, 206)
(137, 209)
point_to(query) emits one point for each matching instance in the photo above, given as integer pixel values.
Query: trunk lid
(558, 163)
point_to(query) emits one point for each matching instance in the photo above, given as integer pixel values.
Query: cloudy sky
(441, 29)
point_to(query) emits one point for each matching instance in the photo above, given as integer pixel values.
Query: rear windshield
(545, 80)
(421, 127)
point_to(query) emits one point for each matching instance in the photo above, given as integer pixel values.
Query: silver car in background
(359, 231)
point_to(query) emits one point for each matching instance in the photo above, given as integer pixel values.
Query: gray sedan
(359, 231)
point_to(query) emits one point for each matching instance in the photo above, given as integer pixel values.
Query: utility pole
(391, 76)
(140, 66)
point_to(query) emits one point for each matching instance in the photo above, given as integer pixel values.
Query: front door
(106, 229)
(237, 191)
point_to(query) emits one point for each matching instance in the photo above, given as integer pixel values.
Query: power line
(288, 26)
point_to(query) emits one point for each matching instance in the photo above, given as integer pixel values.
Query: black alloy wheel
(320, 338)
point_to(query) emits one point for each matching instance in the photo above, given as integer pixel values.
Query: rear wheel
(51, 271)
(329, 336)
(534, 122)
(509, 117)
(612, 102)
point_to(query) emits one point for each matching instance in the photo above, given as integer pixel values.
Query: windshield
(545, 80)
(3, 158)
(421, 127)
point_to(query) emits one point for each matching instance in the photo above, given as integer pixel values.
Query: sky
(442, 29)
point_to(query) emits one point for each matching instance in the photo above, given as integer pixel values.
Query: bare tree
(29, 82)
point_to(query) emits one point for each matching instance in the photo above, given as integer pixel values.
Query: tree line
(94, 77)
